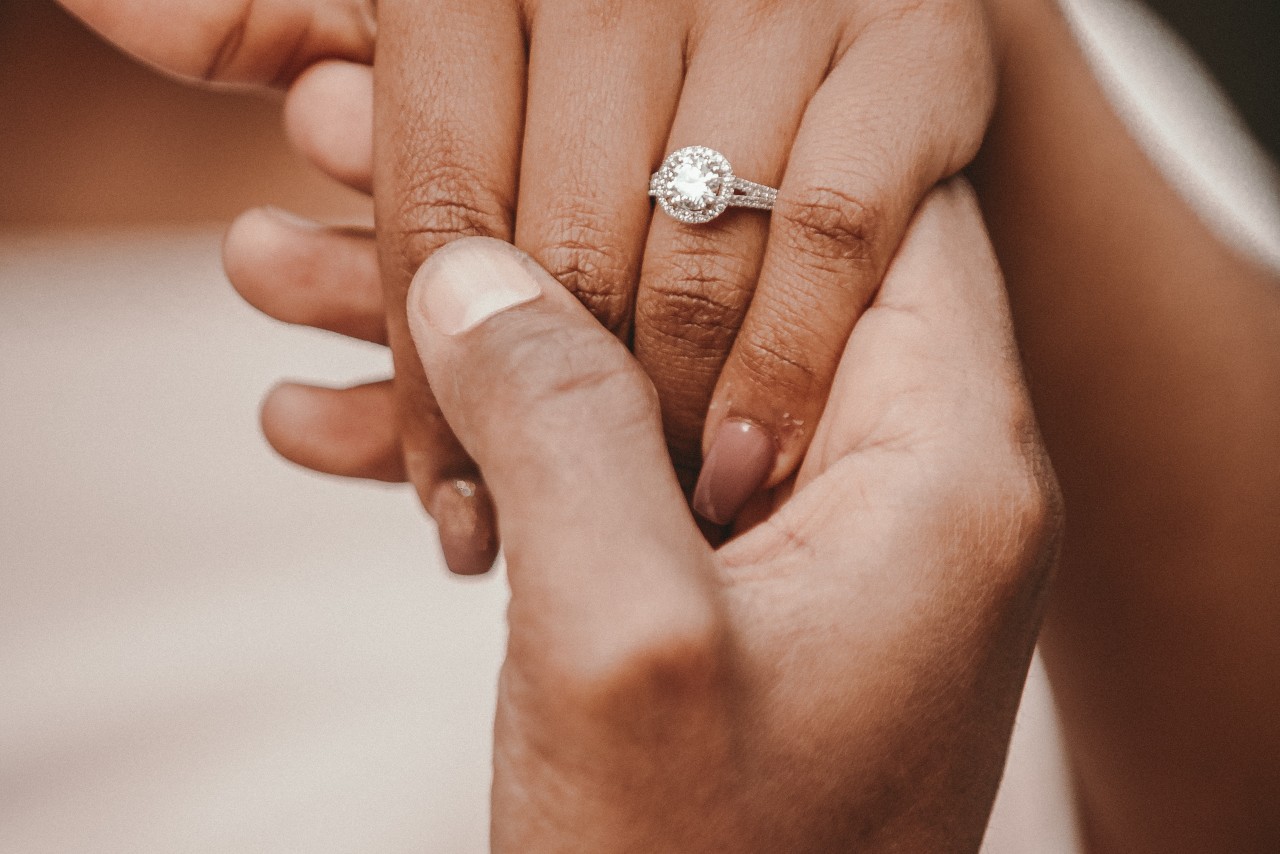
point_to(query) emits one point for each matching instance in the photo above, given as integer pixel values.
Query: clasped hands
(844, 673)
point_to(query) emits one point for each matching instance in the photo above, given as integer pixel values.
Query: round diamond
(694, 184)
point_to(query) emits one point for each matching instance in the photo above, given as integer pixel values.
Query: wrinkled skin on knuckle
(692, 303)
(1011, 505)
(1040, 509)
(831, 228)
(639, 724)
(582, 259)
(1023, 485)
(441, 202)
(779, 365)
(687, 318)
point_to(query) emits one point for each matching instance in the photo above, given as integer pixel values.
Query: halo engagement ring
(696, 184)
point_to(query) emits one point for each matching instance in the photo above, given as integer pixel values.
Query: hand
(866, 105)
(233, 41)
(844, 673)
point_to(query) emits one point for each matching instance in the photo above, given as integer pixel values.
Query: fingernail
(464, 519)
(740, 459)
(469, 281)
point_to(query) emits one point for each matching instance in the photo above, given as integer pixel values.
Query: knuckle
(695, 299)
(582, 258)
(830, 227)
(778, 362)
(672, 660)
(1017, 498)
(1038, 503)
(1028, 501)
(442, 203)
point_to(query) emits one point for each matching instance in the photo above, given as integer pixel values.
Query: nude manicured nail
(740, 460)
(468, 532)
(467, 282)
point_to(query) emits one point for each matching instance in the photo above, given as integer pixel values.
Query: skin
(1160, 639)
(844, 675)
(584, 101)
(1153, 353)
(238, 42)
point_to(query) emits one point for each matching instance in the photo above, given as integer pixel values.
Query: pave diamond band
(696, 185)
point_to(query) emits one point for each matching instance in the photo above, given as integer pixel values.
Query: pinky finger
(349, 432)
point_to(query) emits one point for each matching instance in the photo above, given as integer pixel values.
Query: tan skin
(741, 320)
(843, 675)
(1152, 355)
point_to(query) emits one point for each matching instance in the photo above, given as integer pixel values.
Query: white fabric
(1183, 120)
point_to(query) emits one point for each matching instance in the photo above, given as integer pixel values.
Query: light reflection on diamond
(695, 183)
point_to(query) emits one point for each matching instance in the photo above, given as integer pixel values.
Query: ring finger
(697, 280)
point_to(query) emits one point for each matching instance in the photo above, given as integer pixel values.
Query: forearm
(1154, 360)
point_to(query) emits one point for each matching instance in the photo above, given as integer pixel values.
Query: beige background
(88, 137)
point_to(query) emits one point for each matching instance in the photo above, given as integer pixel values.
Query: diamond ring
(696, 184)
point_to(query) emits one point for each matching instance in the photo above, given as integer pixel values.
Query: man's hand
(843, 676)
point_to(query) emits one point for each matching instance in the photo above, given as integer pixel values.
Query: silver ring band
(696, 184)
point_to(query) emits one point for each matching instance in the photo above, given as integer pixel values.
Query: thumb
(603, 555)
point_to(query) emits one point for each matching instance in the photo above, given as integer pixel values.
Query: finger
(305, 273)
(933, 360)
(928, 432)
(348, 432)
(565, 426)
(900, 112)
(328, 116)
(921, 529)
(352, 433)
(448, 109)
(697, 280)
(601, 94)
(231, 41)
(929, 405)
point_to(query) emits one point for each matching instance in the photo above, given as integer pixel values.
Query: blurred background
(89, 137)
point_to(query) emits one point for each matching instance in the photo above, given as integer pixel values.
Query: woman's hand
(844, 675)
(855, 109)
